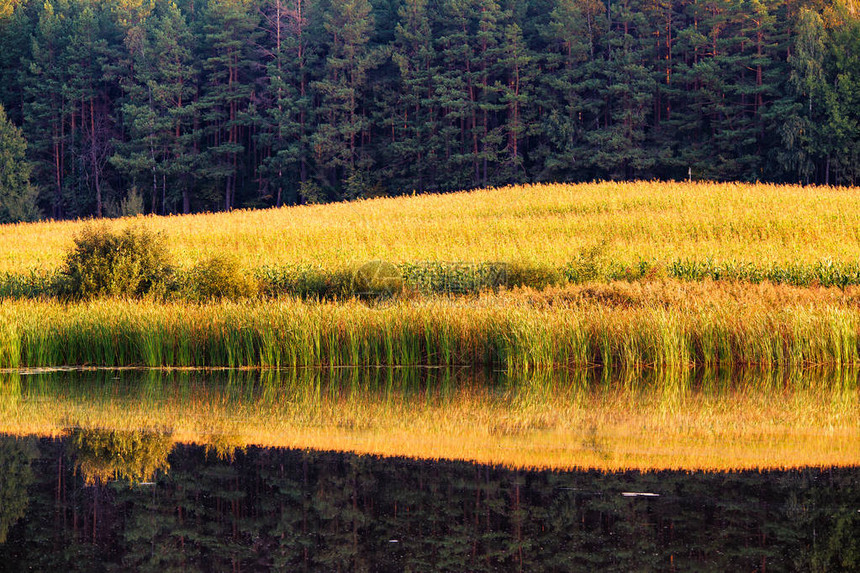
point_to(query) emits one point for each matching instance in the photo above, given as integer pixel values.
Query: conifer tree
(568, 89)
(17, 196)
(45, 105)
(343, 123)
(161, 111)
(455, 98)
(627, 90)
(411, 117)
(15, 31)
(230, 32)
(90, 118)
(290, 110)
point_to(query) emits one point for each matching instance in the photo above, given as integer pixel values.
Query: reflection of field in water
(562, 420)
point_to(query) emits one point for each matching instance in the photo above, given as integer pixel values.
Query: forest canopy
(193, 105)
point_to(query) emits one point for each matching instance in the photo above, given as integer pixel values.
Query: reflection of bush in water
(16, 456)
(224, 446)
(105, 455)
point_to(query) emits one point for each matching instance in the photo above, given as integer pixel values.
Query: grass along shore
(549, 276)
(712, 420)
(664, 324)
(540, 225)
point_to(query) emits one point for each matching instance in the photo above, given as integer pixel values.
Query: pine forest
(117, 107)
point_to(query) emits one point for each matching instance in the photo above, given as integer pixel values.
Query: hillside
(538, 224)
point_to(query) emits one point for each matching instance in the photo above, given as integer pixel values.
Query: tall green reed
(497, 333)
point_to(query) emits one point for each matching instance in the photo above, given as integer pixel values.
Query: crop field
(550, 225)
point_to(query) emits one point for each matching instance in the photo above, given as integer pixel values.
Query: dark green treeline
(154, 106)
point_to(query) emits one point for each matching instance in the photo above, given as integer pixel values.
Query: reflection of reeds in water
(666, 325)
(586, 418)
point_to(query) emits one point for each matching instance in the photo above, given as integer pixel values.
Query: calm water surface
(278, 509)
(134, 497)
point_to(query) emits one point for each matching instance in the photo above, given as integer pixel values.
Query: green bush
(590, 264)
(102, 262)
(217, 277)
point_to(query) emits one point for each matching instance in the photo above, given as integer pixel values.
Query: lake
(427, 470)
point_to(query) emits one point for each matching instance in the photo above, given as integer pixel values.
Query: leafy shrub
(102, 262)
(217, 277)
(590, 264)
(131, 204)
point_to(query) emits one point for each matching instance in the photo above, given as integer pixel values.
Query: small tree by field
(17, 196)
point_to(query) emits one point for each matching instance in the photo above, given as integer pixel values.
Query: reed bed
(710, 224)
(665, 325)
(692, 420)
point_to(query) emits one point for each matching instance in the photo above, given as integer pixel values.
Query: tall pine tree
(17, 196)
(343, 123)
(229, 68)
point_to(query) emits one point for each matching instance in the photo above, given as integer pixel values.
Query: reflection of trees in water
(106, 455)
(291, 510)
(16, 475)
(839, 547)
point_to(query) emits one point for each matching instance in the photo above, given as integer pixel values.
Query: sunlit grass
(664, 325)
(541, 224)
(710, 421)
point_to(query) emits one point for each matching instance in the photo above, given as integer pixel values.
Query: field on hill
(548, 225)
(666, 275)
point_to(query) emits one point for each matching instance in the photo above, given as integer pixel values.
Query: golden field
(543, 224)
(667, 317)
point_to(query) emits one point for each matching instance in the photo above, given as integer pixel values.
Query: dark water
(288, 510)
